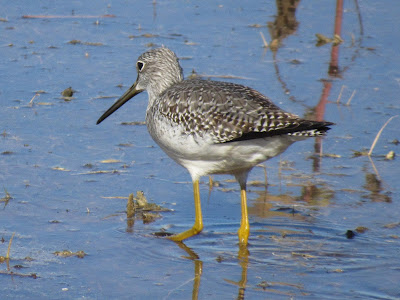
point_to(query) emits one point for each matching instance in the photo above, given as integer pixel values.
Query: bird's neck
(160, 86)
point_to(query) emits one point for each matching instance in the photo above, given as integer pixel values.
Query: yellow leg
(244, 230)
(198, 223)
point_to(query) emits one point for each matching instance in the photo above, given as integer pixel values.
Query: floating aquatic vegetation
(68, 253)
(139, 207)
(322, 40)
(67, 94)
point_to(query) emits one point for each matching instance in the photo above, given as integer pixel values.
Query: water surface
(301, 223)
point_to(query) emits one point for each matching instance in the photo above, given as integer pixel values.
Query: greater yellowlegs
(212, 127)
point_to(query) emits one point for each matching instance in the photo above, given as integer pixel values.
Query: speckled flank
(229, 112)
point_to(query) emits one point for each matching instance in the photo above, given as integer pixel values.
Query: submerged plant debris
(134, 123)
(60, 169)
(6, 198)
(32, 275)
(77, 42)
(102, 172)
(144, 35)
(68, 92)
(68, 253)
(110, 161)
(322, 40)
(390, 155)
(6, 259)
(139, 208)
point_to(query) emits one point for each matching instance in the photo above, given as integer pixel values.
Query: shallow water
(52, 152)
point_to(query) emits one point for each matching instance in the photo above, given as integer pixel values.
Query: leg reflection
(243, 258)
(198, 268)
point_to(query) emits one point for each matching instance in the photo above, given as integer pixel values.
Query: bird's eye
(140, 65)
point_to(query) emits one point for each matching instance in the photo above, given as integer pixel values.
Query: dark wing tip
(324, 126)
(303, 128)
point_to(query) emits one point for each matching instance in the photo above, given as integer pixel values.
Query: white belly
(202, 157)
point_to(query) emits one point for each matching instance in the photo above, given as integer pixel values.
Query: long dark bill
(129, 94)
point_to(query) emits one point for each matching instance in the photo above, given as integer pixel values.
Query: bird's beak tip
(129, 94)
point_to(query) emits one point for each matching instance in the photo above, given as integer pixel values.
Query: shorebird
(212, 127)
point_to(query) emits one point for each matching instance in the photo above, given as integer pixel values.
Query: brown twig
(340, 94)
(351, 97)
(33, 275)
(33, 98)
(65, 17)
(379, 134)
(9, 246)
(264, 40)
